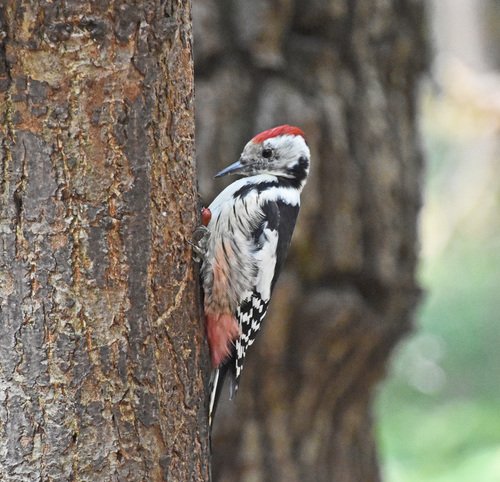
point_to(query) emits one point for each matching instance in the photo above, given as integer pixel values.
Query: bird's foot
(199, 243)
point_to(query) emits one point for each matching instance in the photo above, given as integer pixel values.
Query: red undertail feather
(222, 331)
(278, 131)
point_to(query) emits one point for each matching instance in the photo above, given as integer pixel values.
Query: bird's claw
(199, 243)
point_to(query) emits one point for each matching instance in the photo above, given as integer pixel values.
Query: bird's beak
(234, 168)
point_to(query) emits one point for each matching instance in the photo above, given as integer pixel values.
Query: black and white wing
(273, 237)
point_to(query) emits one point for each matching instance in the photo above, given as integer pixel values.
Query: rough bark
(346, 72)
(101, 344)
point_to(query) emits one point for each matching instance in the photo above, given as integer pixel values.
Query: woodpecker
(248, 230)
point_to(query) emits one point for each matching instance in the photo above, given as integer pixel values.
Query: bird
(247, 232)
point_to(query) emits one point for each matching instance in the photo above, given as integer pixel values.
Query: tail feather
(216, 385)
(215, 388)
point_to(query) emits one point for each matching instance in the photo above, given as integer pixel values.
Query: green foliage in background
(439, 410)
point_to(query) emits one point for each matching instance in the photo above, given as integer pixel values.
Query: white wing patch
(266, 262)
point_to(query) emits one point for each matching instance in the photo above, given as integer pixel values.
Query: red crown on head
(278, 131)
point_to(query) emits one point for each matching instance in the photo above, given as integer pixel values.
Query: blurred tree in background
(346, 72)
(443, 388)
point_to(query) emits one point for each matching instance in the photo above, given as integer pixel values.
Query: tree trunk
(346, 72)
(101, 344)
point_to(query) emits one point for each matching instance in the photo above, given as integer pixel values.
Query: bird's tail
(217, 383)
(214, 393)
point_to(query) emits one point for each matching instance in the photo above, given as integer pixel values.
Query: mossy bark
(101, 341)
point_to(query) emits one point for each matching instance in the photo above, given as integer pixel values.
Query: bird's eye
(267, 153)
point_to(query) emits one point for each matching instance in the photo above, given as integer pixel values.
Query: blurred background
(438, 412)
(378, 86)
